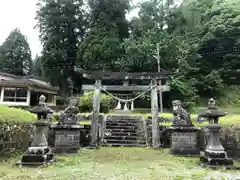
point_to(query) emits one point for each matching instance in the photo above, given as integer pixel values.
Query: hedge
(15, 128)
(227, 120)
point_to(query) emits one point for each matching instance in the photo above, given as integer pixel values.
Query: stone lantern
(214, 153)
(184, 137)
(39, 153)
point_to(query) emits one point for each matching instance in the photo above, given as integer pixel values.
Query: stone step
(125, 134)
(122, 123)
(130, 126)
(122, 134)
(124, 145)
(125, 137)
(115, 118)
(128, 141)
(121, 127)
(124, 130)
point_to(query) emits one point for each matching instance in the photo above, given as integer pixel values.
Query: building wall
(10, 103)
(4, 98)
(51, 102)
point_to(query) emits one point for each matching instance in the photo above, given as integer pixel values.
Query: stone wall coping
(66, 126)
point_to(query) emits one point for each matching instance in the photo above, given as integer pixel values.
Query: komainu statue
(68, 116)
(181, 116)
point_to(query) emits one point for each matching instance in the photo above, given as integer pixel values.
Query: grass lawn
(114, 163)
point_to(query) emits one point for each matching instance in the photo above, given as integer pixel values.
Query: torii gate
(99, 76)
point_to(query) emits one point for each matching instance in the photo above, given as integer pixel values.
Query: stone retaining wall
(19, 137)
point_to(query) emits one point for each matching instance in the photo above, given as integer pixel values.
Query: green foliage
(101, 49)
(225, 121)
(229, 120)
(56, 116)
(9, 115)
(62, 25)
(230, 96)
(110, 14)
(199, 39)
(38, 68)
(138, 55)
(15, 129)
(184, 91)
(86, 102)
(115, 163)
(15, 54)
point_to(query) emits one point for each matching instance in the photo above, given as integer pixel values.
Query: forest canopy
(198, 38)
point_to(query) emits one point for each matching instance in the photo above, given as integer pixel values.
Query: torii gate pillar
(154, 112)
(95, 115)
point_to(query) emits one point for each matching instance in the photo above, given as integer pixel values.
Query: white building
(25, 90)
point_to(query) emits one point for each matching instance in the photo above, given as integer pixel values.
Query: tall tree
(38, 68)
(148, 29)
(62, 26)
(159, 22)
(214, 28)
(15, 54)
(101, 48)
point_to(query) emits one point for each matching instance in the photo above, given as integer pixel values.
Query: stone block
(184, 140)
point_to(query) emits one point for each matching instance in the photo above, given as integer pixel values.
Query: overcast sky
(21, 14)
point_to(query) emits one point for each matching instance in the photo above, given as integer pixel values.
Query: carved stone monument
(214, 153)
(67, 130)
(39, 153)
(184, 139)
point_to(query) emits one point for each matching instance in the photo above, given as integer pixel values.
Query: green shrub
(14, 115)
(86, 102)
(230, 96)
(56, 116)
(15, 129)
(226, 120)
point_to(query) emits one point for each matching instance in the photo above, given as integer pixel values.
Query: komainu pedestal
(39, 153)
(67, 130)
(214, 153)
(184, 139)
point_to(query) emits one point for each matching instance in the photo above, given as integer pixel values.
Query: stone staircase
(124, 131)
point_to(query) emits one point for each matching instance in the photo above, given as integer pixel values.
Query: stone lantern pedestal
(39, 153)
(214, 154)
